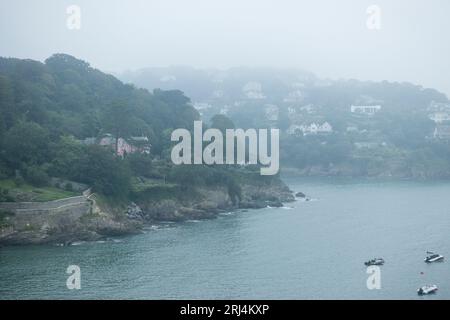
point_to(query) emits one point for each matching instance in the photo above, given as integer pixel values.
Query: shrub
(4, 196)
(37, 176)
(140, 164)
(68, 187)
(19, 181)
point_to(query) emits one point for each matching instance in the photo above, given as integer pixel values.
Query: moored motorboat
(433, 257)
(375, 262)
(428, 289)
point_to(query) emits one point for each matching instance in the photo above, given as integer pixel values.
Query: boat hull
(427, 290)
(437, 259)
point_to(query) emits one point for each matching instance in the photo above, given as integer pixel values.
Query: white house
(294, 96)
(201, 106)
(438, 107)
(326, 128)
(308, 108)
(439, 117)
(168, 78)
(271, 112)
(218, 93)
(225, 110)
(253, 90)
(311, 129)
(291, 110)
(442, 132)
(368, 110)
(124, 146)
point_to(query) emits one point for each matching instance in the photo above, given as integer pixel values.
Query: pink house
(138, 144)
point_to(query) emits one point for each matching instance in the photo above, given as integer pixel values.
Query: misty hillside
(214, 90)
(405, 131)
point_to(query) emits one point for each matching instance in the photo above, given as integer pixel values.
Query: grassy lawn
(27, 192)
(144, 184)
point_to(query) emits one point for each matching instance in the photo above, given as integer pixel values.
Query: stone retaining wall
(44, 207)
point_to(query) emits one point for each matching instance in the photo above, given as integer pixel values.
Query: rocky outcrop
(205, 205)
(134, 212)
(62, 221)
(261, 196)
(211, 201)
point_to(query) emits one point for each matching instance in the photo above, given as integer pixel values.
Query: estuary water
(305, 250)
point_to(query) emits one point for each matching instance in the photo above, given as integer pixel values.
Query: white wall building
(311, 129)
(201, 106)
(272, 112)
(224, 110)
(168, 78)
(368, 110)
(308, 109)
(439, 117)
(294, 96)
(218, 93)
(326, 128)
(442, 131)
(253, 90)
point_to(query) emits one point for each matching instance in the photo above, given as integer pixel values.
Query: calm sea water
(310, 250)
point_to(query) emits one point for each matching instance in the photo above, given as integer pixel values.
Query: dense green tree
(26, 143)
(7, 114)
(221, 122)
(140, 164)
(64, 154)
(106, 173)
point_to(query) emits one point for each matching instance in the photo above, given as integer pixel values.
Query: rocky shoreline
(210, 203)
(104, 220)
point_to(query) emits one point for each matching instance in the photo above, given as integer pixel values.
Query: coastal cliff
(204, 203)
(87, 219)
(62, 221)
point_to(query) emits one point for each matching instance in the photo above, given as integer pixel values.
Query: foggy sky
(326, 37)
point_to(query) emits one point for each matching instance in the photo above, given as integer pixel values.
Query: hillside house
(439, 117)
(367, 110)
(253, 90)
(224, 111)
(439, 107)
(272, 112)
(291, 110)
(308, 109)
(442, 131)
(294, 96)
(199, 106)
(124, 146)
(311, 129)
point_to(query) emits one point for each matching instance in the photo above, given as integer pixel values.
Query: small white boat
(428, 289)
(375, 262)
(433, 257)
